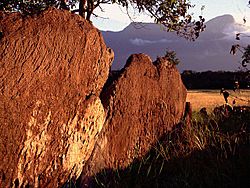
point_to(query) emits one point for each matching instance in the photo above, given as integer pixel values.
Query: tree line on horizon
(216, 79)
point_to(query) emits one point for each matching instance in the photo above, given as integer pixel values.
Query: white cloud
(235, 28)
(141, 42)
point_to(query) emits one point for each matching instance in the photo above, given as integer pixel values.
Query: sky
(115, 18)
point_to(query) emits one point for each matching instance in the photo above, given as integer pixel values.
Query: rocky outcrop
(145, 101)
(52, 69)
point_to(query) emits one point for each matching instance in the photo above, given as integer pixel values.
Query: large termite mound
(144, 102)
(52, 69)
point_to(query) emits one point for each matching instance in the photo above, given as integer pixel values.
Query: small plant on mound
(171, 57)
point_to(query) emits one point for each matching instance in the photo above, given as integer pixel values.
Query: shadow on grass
(199, 169)
(213, 152)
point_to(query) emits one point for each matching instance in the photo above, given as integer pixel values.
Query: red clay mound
(143, 103)
(52, 69)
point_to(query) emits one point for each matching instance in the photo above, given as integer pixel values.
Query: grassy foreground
(210, 151)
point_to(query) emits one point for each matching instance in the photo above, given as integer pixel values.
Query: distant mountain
(219, 23)
(209, 52)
